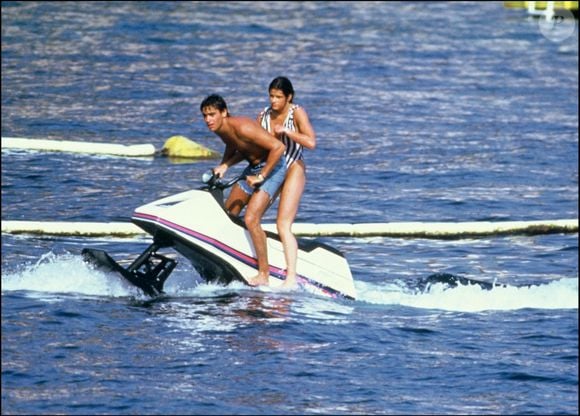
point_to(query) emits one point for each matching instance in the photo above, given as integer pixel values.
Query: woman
(290, 124)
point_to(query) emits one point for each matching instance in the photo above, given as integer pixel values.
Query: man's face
(213, 118)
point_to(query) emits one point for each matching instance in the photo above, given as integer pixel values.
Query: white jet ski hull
(219, 246)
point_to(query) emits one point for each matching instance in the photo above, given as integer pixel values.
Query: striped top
(293, 150)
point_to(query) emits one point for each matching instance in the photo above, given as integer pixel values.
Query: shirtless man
(246, 139)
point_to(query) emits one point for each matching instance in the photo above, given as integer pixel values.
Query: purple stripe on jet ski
(250, 261)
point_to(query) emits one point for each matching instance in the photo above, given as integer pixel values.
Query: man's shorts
(271, 184)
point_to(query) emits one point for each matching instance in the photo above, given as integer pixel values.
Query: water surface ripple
(424, 111)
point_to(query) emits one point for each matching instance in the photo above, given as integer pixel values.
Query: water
(423, 111)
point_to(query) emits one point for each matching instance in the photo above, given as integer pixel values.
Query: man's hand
(254, 180)
(220, 170)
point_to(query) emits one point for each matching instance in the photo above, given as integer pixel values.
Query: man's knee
(251, 219)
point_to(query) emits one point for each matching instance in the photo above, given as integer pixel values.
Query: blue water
(432, 111)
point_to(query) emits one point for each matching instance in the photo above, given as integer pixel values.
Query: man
(246, 139)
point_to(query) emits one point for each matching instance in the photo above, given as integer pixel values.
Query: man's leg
(255, 211)
(237, 200)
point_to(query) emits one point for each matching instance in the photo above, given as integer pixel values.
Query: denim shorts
(271, 184)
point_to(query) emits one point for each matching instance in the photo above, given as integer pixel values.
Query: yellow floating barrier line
(137, 150)
(81, 229)
(439, 230)
(179, 147)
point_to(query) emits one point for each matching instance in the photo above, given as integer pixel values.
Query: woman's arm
(304, 134)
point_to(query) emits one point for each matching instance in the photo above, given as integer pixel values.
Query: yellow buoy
(541, 5)
(181, 146)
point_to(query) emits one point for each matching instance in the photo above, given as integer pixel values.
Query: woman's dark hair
(283, 84)
(215, 101)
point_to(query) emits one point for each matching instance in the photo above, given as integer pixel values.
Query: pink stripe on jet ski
(250, 261)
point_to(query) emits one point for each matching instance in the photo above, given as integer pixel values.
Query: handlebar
(212, 181)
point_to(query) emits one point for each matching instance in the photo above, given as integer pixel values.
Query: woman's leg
(287, 210)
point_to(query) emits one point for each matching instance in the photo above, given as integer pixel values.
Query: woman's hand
(280, 131)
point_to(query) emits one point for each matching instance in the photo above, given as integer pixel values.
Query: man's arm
(256, 134)
(230, 157)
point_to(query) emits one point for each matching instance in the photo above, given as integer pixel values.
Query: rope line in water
(175, 146)
(394, 229)
(136, 150)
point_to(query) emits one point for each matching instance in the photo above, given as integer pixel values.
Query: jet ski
(195, 224)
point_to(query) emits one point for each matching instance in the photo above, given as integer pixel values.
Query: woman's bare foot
(259, 280)
(290, 283)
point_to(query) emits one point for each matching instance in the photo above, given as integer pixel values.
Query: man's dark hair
(216, 101)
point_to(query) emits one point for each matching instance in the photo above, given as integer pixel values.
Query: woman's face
(278, 100)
